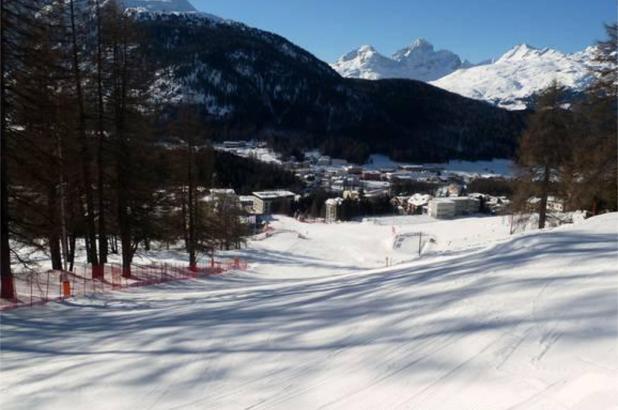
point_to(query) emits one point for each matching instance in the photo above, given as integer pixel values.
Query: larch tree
(588, 178)
(99, 59)
(130, 79)
(542, 152)
(7, 289)
(82, 132)
(18, 33)
(187, 128)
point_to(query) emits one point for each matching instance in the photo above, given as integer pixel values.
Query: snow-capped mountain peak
(519, 74)
(419, 45)
(364, 52)
(422, 43)
(366, 48)
(519, 51)
(418, 61)
(364, 62)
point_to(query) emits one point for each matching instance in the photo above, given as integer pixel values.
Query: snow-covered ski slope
(522, 322)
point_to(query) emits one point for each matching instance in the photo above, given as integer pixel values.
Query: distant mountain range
(514, 79)
(418, 61)
(249, 83)
(511, 81)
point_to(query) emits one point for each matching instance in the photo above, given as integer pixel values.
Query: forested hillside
(250, 83)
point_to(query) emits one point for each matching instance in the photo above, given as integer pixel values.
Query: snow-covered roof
(376, 192)
(334, 201)
(536, 199)
(419, 199)
(443, 201)
(222, 191)
(278, 193)
(376, 184)
(462, 198)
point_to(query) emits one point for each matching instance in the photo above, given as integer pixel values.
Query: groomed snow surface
(483, 320)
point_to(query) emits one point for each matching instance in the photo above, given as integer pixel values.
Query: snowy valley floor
(483, 320)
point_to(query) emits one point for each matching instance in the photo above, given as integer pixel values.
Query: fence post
(66, 289)
(420, 238)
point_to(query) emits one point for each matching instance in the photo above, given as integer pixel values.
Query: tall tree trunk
(124, 217)
(114, 244)
(124, 223)
(72, 237)
(7, 287)
(62, 199)
(127, 253)
(84, 150)
(594, 205)
(72, 242)
(53, 236)
(185, 218)
(103, 249)
(123, 164)
(544, 195)
(191, 207)
(54, 251)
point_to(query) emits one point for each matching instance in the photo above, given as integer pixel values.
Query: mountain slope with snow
(418, 61)
(256, 84)
(165, 6)
(366, 63)
(524, 322)
(513, 80)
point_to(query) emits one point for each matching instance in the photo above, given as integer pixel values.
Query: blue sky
(474, 29)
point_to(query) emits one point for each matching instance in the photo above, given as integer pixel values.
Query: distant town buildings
(441, 208)
(332, 209)
(267, 202)
(554, 204)
(247, 201)
(222, 196)
(442, 193)
(445, 208)
(417, 202)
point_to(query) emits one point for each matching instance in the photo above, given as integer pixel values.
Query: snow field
(525, 321)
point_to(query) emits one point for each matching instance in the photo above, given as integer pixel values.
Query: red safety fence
(85, 280)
